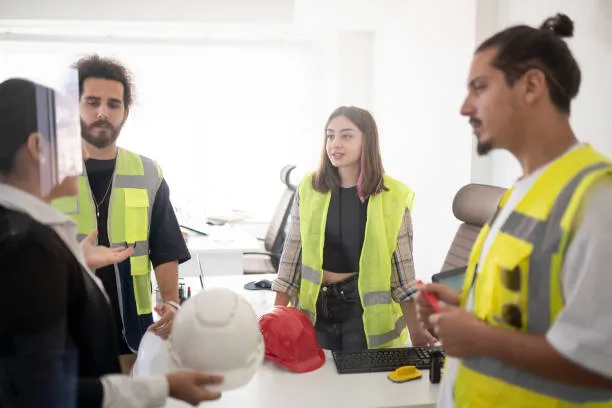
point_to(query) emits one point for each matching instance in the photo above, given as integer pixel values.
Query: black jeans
(339, 324)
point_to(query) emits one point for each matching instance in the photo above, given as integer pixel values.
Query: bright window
(221, 120)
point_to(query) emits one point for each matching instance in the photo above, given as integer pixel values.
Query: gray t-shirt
(583, 330)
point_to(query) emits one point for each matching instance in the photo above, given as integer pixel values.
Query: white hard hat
(217, 332)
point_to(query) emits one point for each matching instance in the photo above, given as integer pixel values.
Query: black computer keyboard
(378, 360)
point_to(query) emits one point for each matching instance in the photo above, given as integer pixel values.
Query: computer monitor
(453, 278)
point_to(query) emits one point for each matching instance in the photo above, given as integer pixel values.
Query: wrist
(175, 305)
(282, 299)
(170, 381)
(167, 298)
(415, 331)
(485, 338)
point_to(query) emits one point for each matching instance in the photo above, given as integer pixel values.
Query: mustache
(101, 123)
(475, 121)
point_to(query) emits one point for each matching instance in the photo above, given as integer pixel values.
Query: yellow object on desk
(405, 373)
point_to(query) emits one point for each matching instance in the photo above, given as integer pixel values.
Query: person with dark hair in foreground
(531, 327)
(57, 335)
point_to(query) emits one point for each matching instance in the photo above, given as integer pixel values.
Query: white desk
(275, 387)
(219, 253)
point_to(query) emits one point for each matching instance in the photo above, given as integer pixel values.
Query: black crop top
(344, 231)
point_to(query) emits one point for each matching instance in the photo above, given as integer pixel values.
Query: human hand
(163, 326)
(98, 256)
(459, 331)
(190, 386)
(424, 309)
(421, 337)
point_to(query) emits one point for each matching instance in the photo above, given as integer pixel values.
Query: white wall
(422, 57)
(356, 66)
(486, 24)
(202, 11)
(592, 47)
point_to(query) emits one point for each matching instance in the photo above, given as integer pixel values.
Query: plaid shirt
(403, 283)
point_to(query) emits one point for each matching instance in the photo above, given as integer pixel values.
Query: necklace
(108, 188)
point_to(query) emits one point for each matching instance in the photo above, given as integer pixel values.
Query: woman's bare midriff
(334, 277)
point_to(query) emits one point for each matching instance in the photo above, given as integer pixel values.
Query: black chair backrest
(276, 234)
(285, 176)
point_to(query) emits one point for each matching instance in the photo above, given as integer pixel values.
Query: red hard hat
(291, 340)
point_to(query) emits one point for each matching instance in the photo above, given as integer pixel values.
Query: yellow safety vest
(383, 321)
(135, 184)
(518, 286)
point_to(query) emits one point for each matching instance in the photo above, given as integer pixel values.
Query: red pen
(433, 301)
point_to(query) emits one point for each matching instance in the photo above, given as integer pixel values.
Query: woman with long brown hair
(347, 261)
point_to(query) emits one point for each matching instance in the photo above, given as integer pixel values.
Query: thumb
(91, 237)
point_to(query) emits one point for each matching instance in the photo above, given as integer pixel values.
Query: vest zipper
(108, 231)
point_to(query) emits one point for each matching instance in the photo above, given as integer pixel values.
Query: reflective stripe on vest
(383, 320)
(135, 184)
(543, 299)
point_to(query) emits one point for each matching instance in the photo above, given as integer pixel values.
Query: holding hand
(460, 332)
(442, 293)
(421, 337)
(163, 326)
(190, 386)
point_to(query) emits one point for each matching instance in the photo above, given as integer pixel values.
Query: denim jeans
(339, 324)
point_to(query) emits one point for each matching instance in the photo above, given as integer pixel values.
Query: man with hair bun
(531, 326)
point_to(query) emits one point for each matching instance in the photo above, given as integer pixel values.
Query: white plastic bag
(153, 356)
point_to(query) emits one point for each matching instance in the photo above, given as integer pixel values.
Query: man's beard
(483, 148)
(106, 134)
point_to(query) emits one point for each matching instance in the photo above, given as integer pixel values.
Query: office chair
(267, 261)
(474, 205)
